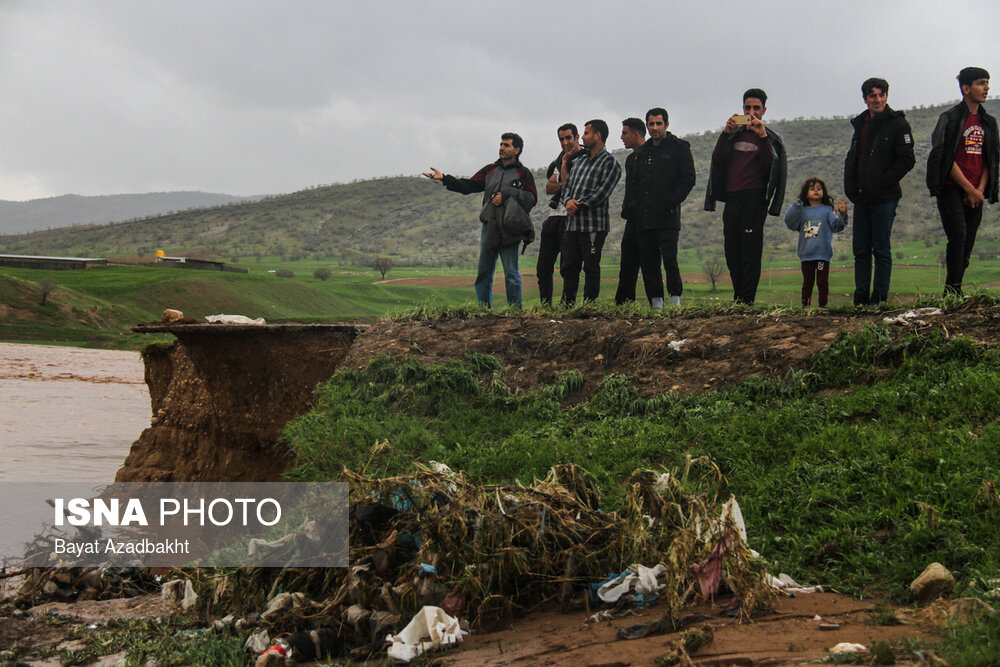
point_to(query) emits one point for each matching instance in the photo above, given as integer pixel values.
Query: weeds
(854, 490)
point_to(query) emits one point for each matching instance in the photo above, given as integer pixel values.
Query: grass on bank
(855, 473)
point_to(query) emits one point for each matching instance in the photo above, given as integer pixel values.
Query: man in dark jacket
(664, 176)
(633, 136)
(504, 183)
(748, 173)
(962, 170)
(552, 229)
(881, 154)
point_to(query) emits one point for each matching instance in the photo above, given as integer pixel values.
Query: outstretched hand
(433, 174)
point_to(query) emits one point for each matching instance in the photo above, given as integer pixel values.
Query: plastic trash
(233, 319)
(429, 630)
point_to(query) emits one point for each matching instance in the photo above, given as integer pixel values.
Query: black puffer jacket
(663, 177)
(944, 144)
(889, 158)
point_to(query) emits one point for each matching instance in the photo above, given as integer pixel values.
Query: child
(813, 216)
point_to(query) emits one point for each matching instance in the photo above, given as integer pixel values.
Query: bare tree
(48, 286)
(713, 269)
(382, 264)
(322, 273)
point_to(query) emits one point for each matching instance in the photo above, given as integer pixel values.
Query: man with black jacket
(748, 172)
(962, 170)
(554, 226)
(633, 136)
(881, 154)
(664, 176)
(508, 196)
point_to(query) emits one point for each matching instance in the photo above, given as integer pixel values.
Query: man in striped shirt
(585, 196)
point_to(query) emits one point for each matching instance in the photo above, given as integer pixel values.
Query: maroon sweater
(748, 158)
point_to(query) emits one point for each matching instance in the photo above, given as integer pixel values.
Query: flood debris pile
(77, 584)
(433, 541)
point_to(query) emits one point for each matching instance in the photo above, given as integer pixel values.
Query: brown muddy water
(68, 414)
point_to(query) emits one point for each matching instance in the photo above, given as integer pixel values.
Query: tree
(48, 286)
(382, 265)
(322, 273)
(285, 273)
(713, 269)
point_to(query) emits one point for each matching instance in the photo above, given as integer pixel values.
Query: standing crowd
(748, 174)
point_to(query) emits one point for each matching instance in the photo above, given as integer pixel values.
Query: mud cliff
(220, 396)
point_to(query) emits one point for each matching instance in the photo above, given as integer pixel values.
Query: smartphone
(742, 119)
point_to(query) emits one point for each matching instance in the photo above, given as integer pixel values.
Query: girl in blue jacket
(815, 217)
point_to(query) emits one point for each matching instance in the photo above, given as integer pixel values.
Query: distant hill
(419, 222)
(69, 210)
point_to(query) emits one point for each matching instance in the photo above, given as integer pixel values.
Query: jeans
(743, 233)
(581, 250)
(654, 245)
(872, 231)
(961, 224)
(548, 250)
(488, 264)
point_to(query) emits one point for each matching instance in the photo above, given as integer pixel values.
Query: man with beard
(591, 182)
(555, 224)
(633, 136)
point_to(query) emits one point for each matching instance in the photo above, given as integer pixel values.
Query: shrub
(285, 273)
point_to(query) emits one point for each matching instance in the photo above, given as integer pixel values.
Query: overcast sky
(258, 97)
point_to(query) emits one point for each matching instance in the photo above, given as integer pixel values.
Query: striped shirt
(591, 182)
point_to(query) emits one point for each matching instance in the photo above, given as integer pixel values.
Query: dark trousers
(815, 271)
(581, 250)
(961, 224)
(548, 251)
(743, 233)
(654, 245)
(628, 272)
(871, 242)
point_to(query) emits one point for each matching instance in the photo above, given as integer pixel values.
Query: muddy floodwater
(68, 414)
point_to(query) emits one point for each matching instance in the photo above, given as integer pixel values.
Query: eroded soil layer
(221, 395)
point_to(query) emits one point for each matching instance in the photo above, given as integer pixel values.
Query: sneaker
(657, 303)
(675, 300)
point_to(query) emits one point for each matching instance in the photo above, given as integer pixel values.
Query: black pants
(581, 250)
(961, 224)
(815, 271)
(628, 272)
(654, 245)
(548, 251)
(743, 231)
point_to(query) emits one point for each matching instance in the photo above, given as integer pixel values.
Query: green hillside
(419, 223)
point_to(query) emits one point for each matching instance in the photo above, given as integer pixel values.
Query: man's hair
(600, 127)
(756, 92)
(515, 140)
(804, 192)
(568, 126)
(658, 111)
(970, 74)
(874, 82)
(635, 125)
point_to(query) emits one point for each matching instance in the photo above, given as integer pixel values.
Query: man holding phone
(748, 172)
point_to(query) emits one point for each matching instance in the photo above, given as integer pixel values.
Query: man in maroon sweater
(748, 173)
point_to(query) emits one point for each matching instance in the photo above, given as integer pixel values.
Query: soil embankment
(220, 396)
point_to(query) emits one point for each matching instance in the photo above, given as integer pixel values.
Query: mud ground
(684, 353)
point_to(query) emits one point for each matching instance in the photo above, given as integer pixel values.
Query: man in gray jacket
(508, 196)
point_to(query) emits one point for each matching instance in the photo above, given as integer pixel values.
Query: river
(68, 414)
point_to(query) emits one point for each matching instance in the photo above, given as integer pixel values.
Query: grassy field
(856, 472)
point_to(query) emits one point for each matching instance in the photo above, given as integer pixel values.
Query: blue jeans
(488, 264)
(872, 229)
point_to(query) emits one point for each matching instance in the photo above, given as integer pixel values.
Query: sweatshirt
(815, 225)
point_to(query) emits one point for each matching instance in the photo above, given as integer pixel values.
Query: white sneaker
(675, 300)
(657, 303)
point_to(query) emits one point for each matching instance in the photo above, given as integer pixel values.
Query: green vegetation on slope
(417, 221)
(854, 473)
